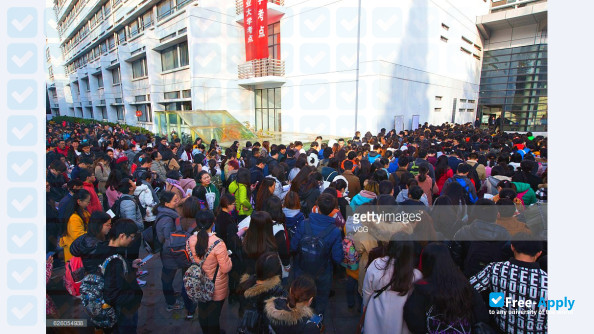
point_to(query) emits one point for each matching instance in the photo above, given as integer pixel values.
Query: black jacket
(254, 297)
(285, 320)
(91, 250)
(121, 290)
(56, 182)
(256, 175)
(416, 311)
(308, 200)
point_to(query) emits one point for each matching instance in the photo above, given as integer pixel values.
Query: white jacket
(145, 197)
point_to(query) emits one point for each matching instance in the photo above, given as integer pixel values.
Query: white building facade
(334, 66)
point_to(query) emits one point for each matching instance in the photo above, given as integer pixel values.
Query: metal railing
(239, 4)
(261, 68)
(503, 5)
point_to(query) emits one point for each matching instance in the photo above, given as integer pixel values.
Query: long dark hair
(98, 218)
(204, 220)
(73, 208)
(451, 294)
(263, 193)
(302, 289)
(243, 177)
(259, 238)
(441, 167)
(274, 207)
(423, 170)
(301, 177)
(400, 252)
(313, 181)
(114, 178)
(365, 169)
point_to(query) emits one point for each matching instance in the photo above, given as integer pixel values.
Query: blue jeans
(323, 286)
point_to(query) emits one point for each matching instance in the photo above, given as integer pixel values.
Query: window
(139, 69)
(471, 101)
(470, 110)
(175, 56)
(462, 100)
(164, 9)
(120, 113)
(186, 94)
(438, 98)
(478, 47)
(107, 9)
(466, 40)
(274, 40)
(146, 113)
(111, 42)
(103, 111)
(437, 109)
(171, 95)
(445, 27)
(116, 76)
(140, 98)
(118, 100)
(147, 19)
(133, 28)
(121, 36)
(461, 110)
(86, 82)
(444, 39)
(476, 56)
(268, 109)
(100, 81)
(465, 51)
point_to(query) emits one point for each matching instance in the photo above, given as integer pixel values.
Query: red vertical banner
(249, 24)
(261, 35)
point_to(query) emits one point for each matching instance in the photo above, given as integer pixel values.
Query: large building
(333, 66)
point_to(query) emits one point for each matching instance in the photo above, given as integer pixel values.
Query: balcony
(503, 5)
(260, 71)
(276, 9)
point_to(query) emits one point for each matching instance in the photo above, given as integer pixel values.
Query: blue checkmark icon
(496, 299)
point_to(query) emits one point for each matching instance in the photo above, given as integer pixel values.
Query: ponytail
(423, 173)
(302, 289)
(204, 220)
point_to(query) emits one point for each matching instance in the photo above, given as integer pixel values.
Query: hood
(521, 187)
(373, 154)
(280, 314)
(184, 182)
(367, 194)
(258, 289)
(165, 211)
(481, 230)
(501, 178)
(140, 189)
(84, 245)
(320, 219)
(291, 212)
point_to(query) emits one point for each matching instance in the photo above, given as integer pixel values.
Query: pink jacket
(217, 256)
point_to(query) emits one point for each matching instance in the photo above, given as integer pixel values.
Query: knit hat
(122, 159)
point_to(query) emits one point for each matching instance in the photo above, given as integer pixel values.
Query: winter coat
(74, 229)
(480, 169)
(420, 162)
(242, 202)
(490, 185)
(165, 222)
(56, 182)
(121, 290)
(293, 218)
(285, 320)
(91, 250)
(308, 200)
(332, 241)
(512, 225)
(102, 173)
(525, 193)
(403, 196)
(218, 256)
(385, 314)
(372, 156)
(468, 186)
(418, 305)
(354, 184)
(112, 196)
(363, 197)
(255, 295)
(147, 201)
(429, 188)
(278, 188)
(95, 204)
(159, 168)
(130, 209)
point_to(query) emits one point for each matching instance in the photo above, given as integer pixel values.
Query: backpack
(327, 182)
(116, 207)
(73, 275)
(91, 290)
(292, 222)
(468, 194)
(351, 257)
(198, 286)
(176, 245)
(414, 169)
(312, 252)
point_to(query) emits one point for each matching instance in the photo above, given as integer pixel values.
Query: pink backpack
(73, 276)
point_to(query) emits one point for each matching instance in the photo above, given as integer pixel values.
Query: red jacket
(95, 204)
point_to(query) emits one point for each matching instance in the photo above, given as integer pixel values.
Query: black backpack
(473, 175)
(116, 207)
(312, 252)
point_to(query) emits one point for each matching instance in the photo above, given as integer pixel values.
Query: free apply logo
(498, 299)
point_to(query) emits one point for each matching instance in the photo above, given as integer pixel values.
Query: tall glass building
(513, 86)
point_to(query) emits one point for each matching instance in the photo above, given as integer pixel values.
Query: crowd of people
(270, 227)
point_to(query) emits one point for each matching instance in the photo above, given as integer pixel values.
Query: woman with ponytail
(77, 221)
(292, 315)
(205, 245)
(426, 183)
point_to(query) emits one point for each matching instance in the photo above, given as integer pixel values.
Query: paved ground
(154, 318)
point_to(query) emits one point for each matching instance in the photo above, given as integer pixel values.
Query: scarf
(175, 183)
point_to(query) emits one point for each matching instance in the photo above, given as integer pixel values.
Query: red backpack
(73, 276)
